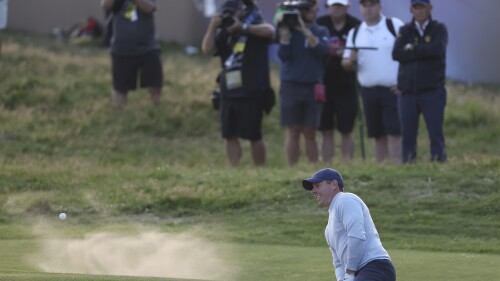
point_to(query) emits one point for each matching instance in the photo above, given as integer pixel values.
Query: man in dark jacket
(421, 52)
(340, 108)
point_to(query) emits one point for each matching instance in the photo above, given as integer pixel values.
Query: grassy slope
(64, 149)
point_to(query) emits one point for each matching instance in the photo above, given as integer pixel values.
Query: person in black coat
(421, 51)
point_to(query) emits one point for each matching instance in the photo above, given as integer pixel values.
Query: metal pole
(360, 117)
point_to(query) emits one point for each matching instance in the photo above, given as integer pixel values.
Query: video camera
(227, 18)
(291, 11)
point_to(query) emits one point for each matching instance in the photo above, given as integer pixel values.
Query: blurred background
(472, 48)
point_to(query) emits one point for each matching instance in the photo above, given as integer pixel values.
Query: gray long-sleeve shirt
(351, 234)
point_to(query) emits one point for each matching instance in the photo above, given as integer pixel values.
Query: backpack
(388, 22)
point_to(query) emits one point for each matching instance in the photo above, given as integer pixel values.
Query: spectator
(134, 49)
(3, 20)
(302, 50)
(421, 52)
(340, 108)
(240, 37)
(377, 75)
(351, 234)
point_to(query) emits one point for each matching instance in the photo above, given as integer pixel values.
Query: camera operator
(302, 49)
(240, 38)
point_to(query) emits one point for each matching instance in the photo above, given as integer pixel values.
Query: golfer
(351, 235)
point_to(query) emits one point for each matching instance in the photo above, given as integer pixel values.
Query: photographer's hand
(208, 44)
(351, 63)
(236, 27)
(147, 6)
(312, 40)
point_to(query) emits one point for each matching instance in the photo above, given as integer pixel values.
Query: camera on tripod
(291, 11)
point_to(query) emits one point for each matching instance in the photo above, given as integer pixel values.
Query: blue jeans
(377, 270)
(431, 104)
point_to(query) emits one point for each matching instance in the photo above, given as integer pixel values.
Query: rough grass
(63, 148)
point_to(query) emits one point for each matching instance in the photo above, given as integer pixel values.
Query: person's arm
(350, 57)
(339, 268)
(285, 48)
(436, 48)
(352, 219)
(263, 30)
(107, 4)
(147, 6)
(355, 249)
(403, 48)
(312, 40)
(208, 45)
(321, 48)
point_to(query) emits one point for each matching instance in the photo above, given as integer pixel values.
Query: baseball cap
(341, 2)
(420, 2)
(323, 175)
(373, 1)
(232, 5)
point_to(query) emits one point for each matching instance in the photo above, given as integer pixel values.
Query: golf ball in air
(62, 216)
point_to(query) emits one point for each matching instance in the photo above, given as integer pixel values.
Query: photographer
(134, 49)
(302, 50)
(240, 37)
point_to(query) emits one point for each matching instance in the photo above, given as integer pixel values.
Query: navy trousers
(431, 105)
(377, 270)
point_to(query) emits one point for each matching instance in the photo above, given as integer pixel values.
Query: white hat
(341, 2)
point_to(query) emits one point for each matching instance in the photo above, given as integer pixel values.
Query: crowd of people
(397, 69)
(328, 64)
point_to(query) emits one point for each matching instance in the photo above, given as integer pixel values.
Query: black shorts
(241, 118)
(381, 111)
(339, 111)
(297, 105)
(126, 70)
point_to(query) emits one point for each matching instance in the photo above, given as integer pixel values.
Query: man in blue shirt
(421, 52)
(302, 51)
(356, 248)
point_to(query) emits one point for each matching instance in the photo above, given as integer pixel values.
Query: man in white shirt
(377, 74)
(3, 21)
(356, 248)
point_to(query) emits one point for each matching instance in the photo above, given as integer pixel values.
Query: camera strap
(233, 65)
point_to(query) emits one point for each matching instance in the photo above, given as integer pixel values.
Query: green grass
(64, 149)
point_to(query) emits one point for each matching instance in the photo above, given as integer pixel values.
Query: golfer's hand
(348, 277)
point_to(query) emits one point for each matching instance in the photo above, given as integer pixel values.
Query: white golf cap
(341, 2)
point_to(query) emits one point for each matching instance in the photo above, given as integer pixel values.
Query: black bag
(269, 100)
